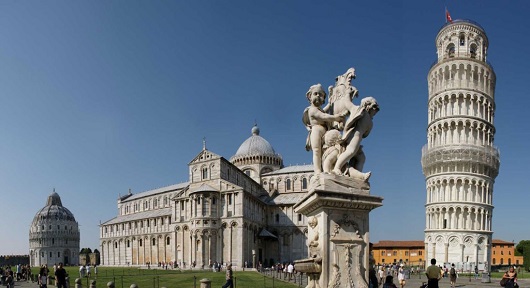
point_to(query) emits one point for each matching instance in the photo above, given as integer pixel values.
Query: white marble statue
(334, 138)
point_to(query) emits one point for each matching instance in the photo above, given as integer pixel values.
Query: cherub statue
(317, 122)
(356, 128)
(332, 149)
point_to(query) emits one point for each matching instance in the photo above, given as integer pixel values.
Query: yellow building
(408, 252)
(413, 253)
(503, 253)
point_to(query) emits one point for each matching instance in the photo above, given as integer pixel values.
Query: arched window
(247, 172)
(288, 184)
(154, 241)
(204, 173)
(462, 40)
(140, 241)
(451, 50)
(168, 241)
(304, 183)
(115, 244)
(128, 243)
(473, 51)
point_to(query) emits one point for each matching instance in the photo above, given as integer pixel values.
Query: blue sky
(97, 97)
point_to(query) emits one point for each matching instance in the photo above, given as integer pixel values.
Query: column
(446, 257)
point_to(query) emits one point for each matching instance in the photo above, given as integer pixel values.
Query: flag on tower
(448, 16)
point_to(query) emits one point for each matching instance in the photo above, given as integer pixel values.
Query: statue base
(337, 209)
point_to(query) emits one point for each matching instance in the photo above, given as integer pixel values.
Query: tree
(523, 247)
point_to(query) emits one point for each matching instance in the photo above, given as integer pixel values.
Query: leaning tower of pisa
(460, 162)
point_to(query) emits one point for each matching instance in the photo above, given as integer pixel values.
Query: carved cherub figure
(317, 122)
(355, 130)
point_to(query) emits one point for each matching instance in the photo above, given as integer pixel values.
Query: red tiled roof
(404, 244)
(499, 241)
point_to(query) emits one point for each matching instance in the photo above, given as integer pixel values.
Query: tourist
(290, 269)
(389, 282)
(476, 272)
(229, 282)
(88, 271)
(401, 276)
(434, 274)
(452, 275)
(60, 276)
(510, 278)
(96, 271)
(43, 277)
(381, 274)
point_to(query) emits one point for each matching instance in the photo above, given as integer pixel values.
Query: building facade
(460, 162)
(503, 254)
(230, 211)
(411, 253)
(54, 235)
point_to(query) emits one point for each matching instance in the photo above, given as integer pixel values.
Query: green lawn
(154, 278)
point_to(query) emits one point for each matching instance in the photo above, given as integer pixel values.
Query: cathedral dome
(54, 210)
(257, 150)
(255, 145)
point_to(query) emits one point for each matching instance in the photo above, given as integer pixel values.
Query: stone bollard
(206, 283)
(110, 284)
(134, 285)
(92, 283)
(78, 283)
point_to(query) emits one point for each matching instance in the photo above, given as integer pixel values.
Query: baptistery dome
(256, 156)
(54, 234)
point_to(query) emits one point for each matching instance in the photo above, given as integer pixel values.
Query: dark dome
(54, 210)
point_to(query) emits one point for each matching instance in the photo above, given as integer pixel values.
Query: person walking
(229, 275)
(60, 276)
(452, 275)
(434, 274)
(401, 276)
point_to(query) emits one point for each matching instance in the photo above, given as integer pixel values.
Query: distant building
(391, 252)
(460, 161)
(413, 253)
(54, 235)
(503, 254)
(238, 211)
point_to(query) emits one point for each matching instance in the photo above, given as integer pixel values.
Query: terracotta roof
(389, 243)
(499, 241)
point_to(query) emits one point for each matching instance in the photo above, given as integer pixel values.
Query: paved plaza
(414, 282)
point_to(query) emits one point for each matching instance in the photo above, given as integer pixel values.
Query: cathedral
(237, 211)
(54, 235)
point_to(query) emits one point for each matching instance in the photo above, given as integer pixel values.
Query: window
(140, 241)
(154, 241)
(181, 205)
(247, 172)
(204, 173)
(502, 253)
(288, 184)
(229, 199)
(154, 222)
(199, 200)
(214, 200)
(53, 240)
(406, 253)
(41, 254)
(462, 40)
(420, 253)
(304, 183)
(383, 253)
(51, 255)
(115, 244)
(128, 243)
(493, 261)
(451, 50)
(299, 217)
(445, 223)
(168, 241)
(59, 254)
(277, 218)
(395, 254)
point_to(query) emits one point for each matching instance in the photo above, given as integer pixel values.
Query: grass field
(155, 278)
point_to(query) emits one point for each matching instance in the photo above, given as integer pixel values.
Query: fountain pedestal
(337, 209)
